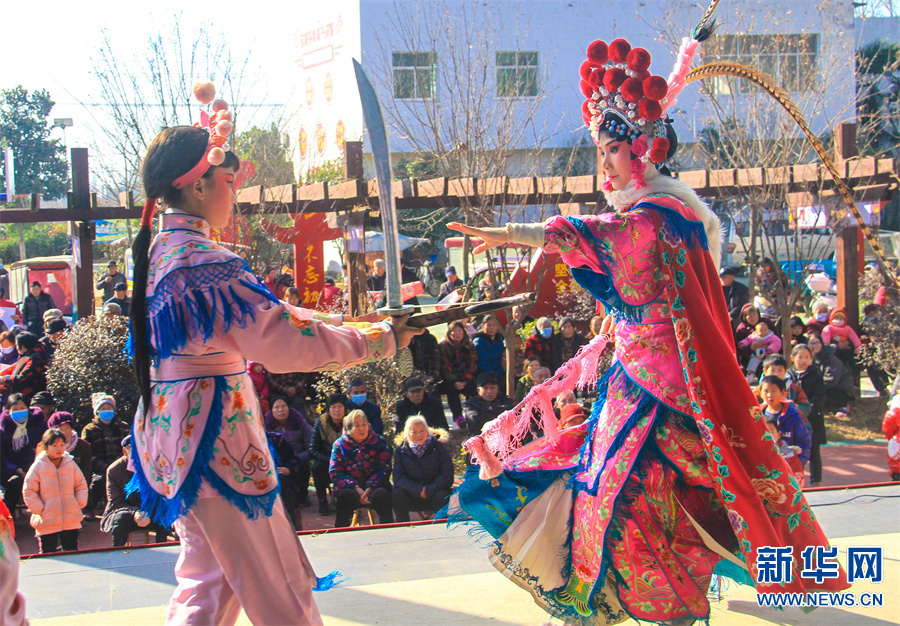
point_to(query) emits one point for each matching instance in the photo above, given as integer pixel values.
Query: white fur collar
(627, 197)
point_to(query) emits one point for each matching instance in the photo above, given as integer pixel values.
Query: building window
(792, 60)
(517, 74)
(414, 74)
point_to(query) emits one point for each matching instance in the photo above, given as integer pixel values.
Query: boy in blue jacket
(776, 406)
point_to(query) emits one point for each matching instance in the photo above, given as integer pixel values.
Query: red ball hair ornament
(596, 77)
(614, 78)
(638, 60)
(649, 110)
(597, 52)
(586, 89)
(657, 156)
(632, 90)
(656, 87)
(585, 69)
(661, 143)
(618, 50)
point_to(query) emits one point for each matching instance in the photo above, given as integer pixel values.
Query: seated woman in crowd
(423, 469)
(491, 349)
(29, 373)
(105, 434)
(565, 344)
(8, 354)
(459, 367)
(326, 432)
(532, 364)
(290, 424)
(839, 388)
(361, 471)
(21, 429)
(540, 342)
(749, 319)
(55, 492)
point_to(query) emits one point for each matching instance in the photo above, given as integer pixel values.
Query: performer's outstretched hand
(403, 332)
(491, 237)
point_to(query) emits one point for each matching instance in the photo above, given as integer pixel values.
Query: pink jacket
(55, 495)
(772, 342)
(831, 333)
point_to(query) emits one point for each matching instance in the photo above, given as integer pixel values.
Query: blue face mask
(821, 317)
(359, 399)
(546, 333)
(106, 416)
(19, 416)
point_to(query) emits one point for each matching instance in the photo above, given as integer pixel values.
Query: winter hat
(59, 418)
(42, 397)
(56, 325)
(569, 411)
(99, 399)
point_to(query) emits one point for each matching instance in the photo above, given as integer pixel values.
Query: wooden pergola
(870, 177)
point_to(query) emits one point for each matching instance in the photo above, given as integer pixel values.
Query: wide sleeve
(217, 301)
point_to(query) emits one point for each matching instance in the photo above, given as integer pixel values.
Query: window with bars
(792, 60)
(517, 74)
(414, 74)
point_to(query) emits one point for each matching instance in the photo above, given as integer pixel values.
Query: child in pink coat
(55, 492)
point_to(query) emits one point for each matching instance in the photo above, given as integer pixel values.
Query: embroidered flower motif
(224, 461)
(668, 235)
(204, 384)
(705, 433)
(682, 331)
(262, 484)
(297, 322)
(737, 522)
(237, 400)
(769, 490)
(188, 429)
(161, 404)
(181, 461)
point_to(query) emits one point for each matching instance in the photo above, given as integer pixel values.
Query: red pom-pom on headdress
(585, 69)
(204, 91)
(642, 76)
(614, 78)
(661, 143)
(586, 89)
(638, 60)
(597, 52)
(649, 110)
(656, 87)
(596, 78)
(618, 50)
(657, 156)
(632, 90)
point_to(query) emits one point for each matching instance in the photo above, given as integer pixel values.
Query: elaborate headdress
(219, 125)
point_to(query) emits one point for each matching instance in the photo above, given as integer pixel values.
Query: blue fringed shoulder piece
(692, 233)
(187, 302)
(329, 581)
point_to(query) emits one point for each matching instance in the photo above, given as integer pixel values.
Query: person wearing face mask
(105, 434)
(819, 321)
(8, 353)
(540, 342)
(29, 375)
(21, 429)
(358, 392)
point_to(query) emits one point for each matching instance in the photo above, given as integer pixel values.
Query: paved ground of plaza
(427, 574)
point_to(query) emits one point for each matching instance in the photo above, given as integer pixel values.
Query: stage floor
(427, 574)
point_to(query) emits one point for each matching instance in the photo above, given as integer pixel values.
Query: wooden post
(357, 291)
(847, 241)
(81, 199)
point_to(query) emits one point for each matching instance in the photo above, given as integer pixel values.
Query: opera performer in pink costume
(674, 477)
(201, 458)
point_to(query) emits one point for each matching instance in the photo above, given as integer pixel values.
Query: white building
(523, 60)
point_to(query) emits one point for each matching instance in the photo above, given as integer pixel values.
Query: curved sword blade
(382, 156)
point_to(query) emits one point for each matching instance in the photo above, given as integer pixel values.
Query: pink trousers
(228, 561)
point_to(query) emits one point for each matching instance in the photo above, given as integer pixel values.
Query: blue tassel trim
(602, 286)
(324, 583)
(189, 303)
(165, 510)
